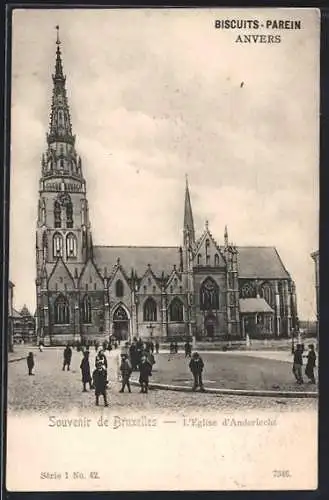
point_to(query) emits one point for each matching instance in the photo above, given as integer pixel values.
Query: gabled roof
(16, 314)
(254, 305)
(260, 262)
(138, 258)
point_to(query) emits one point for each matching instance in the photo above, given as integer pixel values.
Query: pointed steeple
(188, 217)
(60, 129)
(226, 236)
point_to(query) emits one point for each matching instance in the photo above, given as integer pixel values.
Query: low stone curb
(234, 392)
(16, 359)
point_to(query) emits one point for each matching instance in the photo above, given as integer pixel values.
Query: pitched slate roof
(253, 262)
(260, 262)
(161, 259)
(254, 305)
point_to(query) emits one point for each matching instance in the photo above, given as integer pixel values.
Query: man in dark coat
(188, 349)
(85, 371)
(145, 370)
(126, 370)
(196, 366)
(157, 347)
(67, 357)
(310, 365)
(100, 382)
(298, 364)
(30, 362)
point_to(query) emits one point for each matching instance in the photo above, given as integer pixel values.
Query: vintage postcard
(163, 313)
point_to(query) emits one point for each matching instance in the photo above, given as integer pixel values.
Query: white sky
(154, 95)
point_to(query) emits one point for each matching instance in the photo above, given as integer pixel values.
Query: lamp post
(292, 340)
(151, 328)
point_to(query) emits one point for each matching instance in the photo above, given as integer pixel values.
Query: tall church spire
(61, 159)
(188, 216)
(60, 128)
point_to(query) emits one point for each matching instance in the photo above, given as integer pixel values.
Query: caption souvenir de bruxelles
(118, 422)
(272, 25)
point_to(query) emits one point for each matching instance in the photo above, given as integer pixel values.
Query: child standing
(30, 362)
(100, 382)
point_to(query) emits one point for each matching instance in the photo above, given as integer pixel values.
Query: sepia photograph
(163, 302)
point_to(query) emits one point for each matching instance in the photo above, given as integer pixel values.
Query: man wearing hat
(196, 366)
(126, 370)
(100, 382)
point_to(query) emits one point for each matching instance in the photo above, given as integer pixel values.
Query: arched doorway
(210, 324)
(120, 323)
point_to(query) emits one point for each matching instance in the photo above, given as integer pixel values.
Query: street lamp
(151, 328)
(292, 340)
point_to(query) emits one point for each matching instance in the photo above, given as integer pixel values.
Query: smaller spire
(226, 236)
(207, 224)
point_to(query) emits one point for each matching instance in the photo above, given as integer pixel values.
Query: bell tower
(63, 231)
(63, 226)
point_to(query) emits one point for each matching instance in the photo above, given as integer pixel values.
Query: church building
(201, 288)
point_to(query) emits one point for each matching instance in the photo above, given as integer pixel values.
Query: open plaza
(51, 388)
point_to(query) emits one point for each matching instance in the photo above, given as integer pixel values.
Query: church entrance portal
(120, 324)
(210, 324)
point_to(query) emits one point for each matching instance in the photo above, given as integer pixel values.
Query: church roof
(253, 262)
(16, 314)
(260, 262)
(254, 305)
(161, 259)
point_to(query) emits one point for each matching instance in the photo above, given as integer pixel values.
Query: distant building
(23, 325)
(10, 315)
(316, 257)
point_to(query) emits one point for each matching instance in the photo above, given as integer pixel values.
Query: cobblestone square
(53, 389)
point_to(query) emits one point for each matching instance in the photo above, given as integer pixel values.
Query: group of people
(133, 356)
(138, 355)
(297, 367)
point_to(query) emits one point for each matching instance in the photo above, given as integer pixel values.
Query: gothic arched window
(176, 310)
(57, 245)
(45, 246)
(120, 314)
(267, 293)
(86, 309)
(199, 259)
(62, 312)
(71, 245)
(248, 290)
(57, 214)
(216, 259)
(119, 288)
(209, 295)
(150, 310)
(69, 214)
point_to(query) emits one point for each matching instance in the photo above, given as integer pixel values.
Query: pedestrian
(176, 347)
(298, 364)
(67, 357)
(100, 382)
(40, 346)
(101, 358)
(188, 349)
(196, 366)
(126, 370)
(145, 371)
(30, 362)
(310, 365)
(85, 371)
(152, 346)
(157, 347)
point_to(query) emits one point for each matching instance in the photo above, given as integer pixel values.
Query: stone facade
(87, 292)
